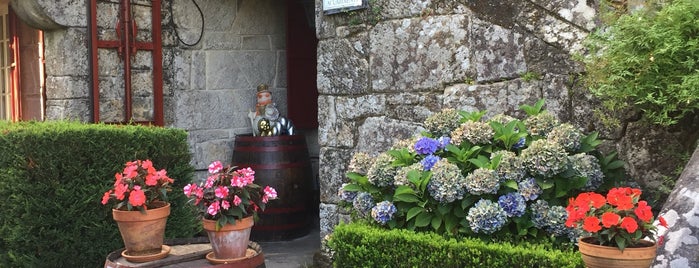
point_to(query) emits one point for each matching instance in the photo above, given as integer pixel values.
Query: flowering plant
(138, 186)
(501, 177)
(621, 219)
(229, 194)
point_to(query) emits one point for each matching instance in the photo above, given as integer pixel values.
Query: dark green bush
(359, 245)
(53, 175)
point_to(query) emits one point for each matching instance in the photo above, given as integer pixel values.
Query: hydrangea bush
(503, 177)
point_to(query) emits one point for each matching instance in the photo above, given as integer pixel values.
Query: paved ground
(292, 254)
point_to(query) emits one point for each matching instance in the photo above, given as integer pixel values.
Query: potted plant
(619, 227)
(141, 209)
(228, 201)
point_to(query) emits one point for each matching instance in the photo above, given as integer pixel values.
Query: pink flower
(137, 197)
(120, 190)
(105, 197)
(225, 204)
(215, 167)
(189, 189)
(221, 192)
(210, 181)
(270, 193)
(236, 200)
(151, 179)
(213, 208)
(131, 170)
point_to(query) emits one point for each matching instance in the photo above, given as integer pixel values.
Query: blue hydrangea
(363, 203)
(551, 219)
(382, 172)
(426, 146)
(555, 221)
(443, 142)
(429, 161)
(520, 143)
(529, 189)
(482, 181)
(383, 212)
(447, 182)
(513, 204)
(545, 158)
(510, 167)
(587, 166)
(401, 177)
(486, 217)
(539, 211)
(567, 135)
(346, 196)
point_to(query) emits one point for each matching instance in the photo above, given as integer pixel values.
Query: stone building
(351, 80)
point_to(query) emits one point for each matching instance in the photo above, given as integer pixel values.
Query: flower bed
(501, 178)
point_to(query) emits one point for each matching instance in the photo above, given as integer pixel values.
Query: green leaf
(545, 183)
(616, 164)
(352, 187)
(620, 242)
(512, 184)
(356, 177)
(411, 198)
(436, 223)
(404, 190)
(444, 209)
(450, 223)
(414, 212)
(423, 219)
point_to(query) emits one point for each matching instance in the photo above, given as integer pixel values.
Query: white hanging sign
(337, 6)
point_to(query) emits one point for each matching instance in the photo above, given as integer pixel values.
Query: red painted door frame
(13, 54)
(127, 46)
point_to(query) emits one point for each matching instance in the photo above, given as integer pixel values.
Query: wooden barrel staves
(281, 162)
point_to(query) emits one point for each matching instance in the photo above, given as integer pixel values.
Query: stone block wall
(384, 69)
(210, 87)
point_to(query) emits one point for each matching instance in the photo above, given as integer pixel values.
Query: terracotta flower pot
(142, 233)
(231, 241)
(596, 256)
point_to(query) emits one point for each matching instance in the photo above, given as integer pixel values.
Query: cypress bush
(361, 245)
(53, 175)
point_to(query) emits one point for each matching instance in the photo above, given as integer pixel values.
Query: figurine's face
(264, 97)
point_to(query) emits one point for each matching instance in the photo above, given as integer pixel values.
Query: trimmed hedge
(53, 175)
(359, 245)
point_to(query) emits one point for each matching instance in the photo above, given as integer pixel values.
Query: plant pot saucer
(164, 251)
(249, 253)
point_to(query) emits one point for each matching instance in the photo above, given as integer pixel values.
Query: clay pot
(596, 256)
(142, 233)
(231, 240)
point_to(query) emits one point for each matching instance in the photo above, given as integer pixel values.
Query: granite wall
(384, 69)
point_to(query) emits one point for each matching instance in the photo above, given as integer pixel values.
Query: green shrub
(52, 177)
(358, 245)
(649, 61)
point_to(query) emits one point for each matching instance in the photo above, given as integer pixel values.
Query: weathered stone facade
(208, 88)
(383, 70)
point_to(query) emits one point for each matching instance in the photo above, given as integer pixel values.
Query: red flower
(610, 219)
(137, 197)
(591, 224)
(621, 198)
(643, 211)
(629, 224)
(105, 197)
(662, 221)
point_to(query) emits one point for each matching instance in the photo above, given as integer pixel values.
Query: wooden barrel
(281, 162)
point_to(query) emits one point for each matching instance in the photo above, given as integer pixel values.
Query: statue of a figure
(266, 109)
